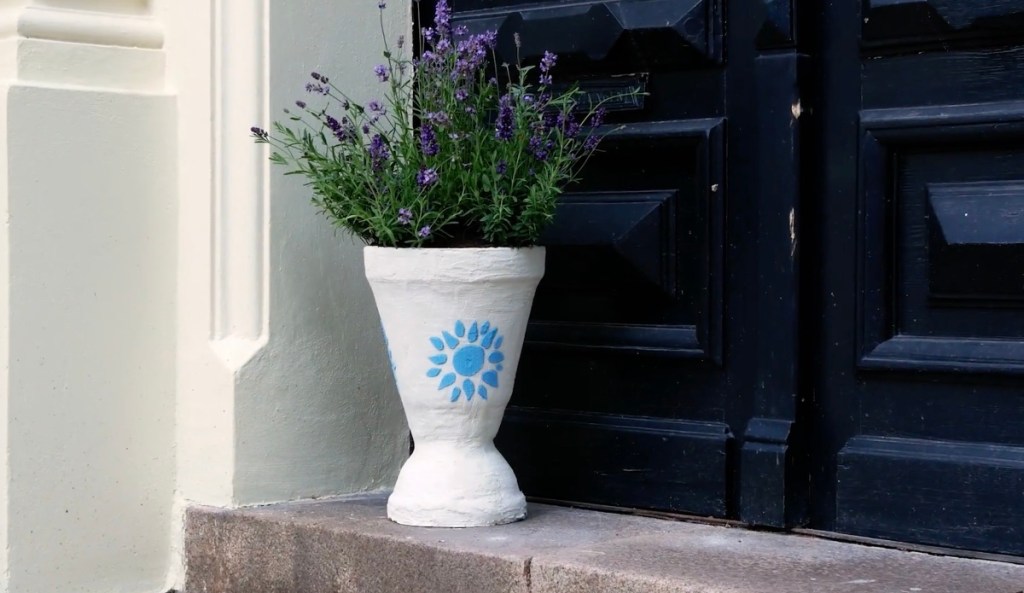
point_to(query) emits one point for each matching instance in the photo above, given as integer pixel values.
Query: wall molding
(240, 206)
(83, 26)
(61, 47)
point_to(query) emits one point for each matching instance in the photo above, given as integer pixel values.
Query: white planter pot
(454, 320)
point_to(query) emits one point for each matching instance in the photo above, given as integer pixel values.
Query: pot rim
(453, 264)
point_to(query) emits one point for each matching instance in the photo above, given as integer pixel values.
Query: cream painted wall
(317, 412)
(90, 399)
(87, 301)
(177, 324)
(283, 387)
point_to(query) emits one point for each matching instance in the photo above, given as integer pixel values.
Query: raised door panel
(919, 396)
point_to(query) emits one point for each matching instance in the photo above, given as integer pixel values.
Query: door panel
(681, 358)
(636, 386)
(913, 22)
(919, 315)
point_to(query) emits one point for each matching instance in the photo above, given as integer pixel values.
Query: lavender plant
(461, 151)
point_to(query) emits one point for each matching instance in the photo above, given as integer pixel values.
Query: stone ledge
(348, 546)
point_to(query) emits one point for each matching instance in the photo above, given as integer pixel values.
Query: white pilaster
(87, 313)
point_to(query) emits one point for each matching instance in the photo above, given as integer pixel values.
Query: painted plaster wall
(316, 411)
(90, 210)
(177, 325)
(283, 390)
(87, 298)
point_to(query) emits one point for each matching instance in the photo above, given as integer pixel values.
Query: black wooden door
(680, 359)
(917, 326)
(647, 380)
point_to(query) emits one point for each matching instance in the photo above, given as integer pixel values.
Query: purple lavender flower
(428, 140)
(300, 104)
(401, 41)
(340, 129)
(424, 232)
(591, 143)
(259, 132)
(550, 120)
(568, 124)
(317, 88)
(443, 18)
(382, 5)
(598, 118)
(541, 149)
(470, 109)
(472, 54)
(438, 118)
(461, 31)
(426, 177)
(366, 128)
(505, 124)
(429, 34)
(381, 71)
(375, 107)
(548, 62)
(404, 216)
(345, 105)
(315, 75)
(378, 152)
(501, 167)
(461, 95)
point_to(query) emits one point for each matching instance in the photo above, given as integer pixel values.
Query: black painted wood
(764, 302)
(906, 22)
(673, 465)
(648, 316)
(913, 326)
(965, 495)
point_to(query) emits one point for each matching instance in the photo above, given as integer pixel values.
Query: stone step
(347, 545)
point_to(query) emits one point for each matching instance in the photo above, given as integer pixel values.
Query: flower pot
(454, 321)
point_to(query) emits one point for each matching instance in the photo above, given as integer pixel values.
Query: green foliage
(458, 153)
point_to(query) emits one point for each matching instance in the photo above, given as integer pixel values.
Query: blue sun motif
(471, 355)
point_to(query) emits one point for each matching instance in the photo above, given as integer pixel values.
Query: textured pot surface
(455, 320)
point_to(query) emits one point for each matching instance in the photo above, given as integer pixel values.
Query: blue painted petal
(486, 343)
(482, 391)
(494, 358)
(455, 394)
(433, 372)
(450, 339)
(491, 378)
(497, 343)
(486, 327)
(446, 381)
(437, 343)
(469, 387)
(499, 367)
(474, 332)
(460, 329)
(439, 358)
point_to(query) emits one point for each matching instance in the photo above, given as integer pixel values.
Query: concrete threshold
(347, 545)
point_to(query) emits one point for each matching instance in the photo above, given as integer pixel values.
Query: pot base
(456, 485)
